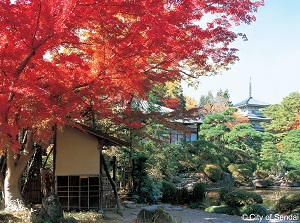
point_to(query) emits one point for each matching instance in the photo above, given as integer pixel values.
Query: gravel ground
(185, 215)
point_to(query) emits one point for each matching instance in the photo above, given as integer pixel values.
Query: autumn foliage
(239, 118)
(296, 124)
(59, 58)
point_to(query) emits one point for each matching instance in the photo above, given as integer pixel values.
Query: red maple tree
(172, 103)
(59, 58)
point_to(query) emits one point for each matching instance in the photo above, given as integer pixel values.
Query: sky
(270, 57)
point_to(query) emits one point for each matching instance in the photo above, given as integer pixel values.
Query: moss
(223, 209)
(213, 172)
(226, 188)
(156, 215)
(293, 175)
(240, 172)
(257, 209)
(287, 204)
(261, 174)
(241, 197)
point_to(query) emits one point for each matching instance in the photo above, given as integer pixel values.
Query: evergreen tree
(215, 104)
(283, 115)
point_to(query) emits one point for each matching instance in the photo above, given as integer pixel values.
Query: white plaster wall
(77, 153)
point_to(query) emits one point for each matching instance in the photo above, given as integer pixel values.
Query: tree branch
(37, 23)
(30, 55)
(28, 153)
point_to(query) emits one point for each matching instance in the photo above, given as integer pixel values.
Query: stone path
(185, 215)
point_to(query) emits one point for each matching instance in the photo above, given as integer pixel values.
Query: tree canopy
(215, 126)
(243, 136)
(290, 148)
(215, 104)
(284, 115)
(59, 58)
(63, 59)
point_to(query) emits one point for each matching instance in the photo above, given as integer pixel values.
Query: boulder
(277, 183)
(227, 178)
(52, 207)
(286, 184)
(296, 183)
(190, 186)
(153, 214)
(68, 220)
(260, 183)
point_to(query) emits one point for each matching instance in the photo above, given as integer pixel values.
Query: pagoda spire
(250, 89)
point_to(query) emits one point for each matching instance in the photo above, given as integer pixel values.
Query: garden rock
(68, 220)
(53, 207)
(277, 183)
(296, 183)
(153, 214)
(190, 186)
(286, 184)
(227, 178)
(260, 183)
(241, 198)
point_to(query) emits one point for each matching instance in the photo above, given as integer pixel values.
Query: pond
(271, 195)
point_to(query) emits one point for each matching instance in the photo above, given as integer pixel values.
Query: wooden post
(129, 185)
(100, 148)
(114, 168)
(112, 184)
(54, 157)
(132, 175)
(198, 129)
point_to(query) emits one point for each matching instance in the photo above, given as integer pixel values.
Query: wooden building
(193, 125)
(82, 179)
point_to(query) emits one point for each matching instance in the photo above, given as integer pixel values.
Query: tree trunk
(112, 184)
(13, 198)
(12, 195)
(15, 167)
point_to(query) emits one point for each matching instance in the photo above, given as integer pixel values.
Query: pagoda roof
(260, 118)
(250, 101)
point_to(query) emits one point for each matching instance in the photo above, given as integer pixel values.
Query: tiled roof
(194, 120)
(109, 140)
(253, 117)
(144, 106)
(251, 101)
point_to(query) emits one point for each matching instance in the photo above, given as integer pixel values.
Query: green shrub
(271, 181)
(240, 172)
(239, 156)
(158, 216)
(261, 174)
(213, 172)
(149, 190)
(287, 204)
(223, 209)
(226, 188)
(199, 192)
(182, 196)
(241, 197)
(257, 209)
(293, 175)
(168, 191)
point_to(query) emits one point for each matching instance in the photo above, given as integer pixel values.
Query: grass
(86, 216)
(14, 217)
(25, 217)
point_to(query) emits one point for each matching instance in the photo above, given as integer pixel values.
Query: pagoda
(250, 108)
